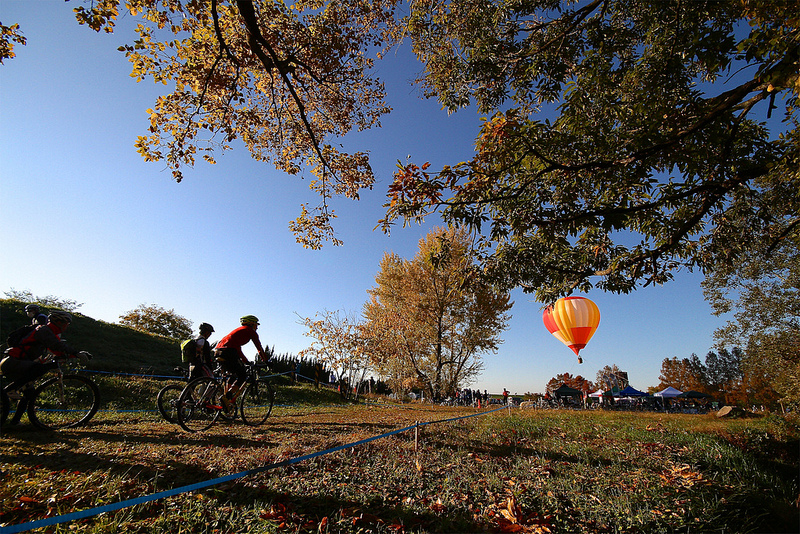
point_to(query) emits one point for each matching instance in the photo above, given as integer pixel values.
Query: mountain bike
(167, 398)
(65, 400)
(201, 404)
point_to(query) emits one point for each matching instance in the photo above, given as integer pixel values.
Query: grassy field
(509, 471)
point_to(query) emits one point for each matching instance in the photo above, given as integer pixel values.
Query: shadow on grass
(358, 516)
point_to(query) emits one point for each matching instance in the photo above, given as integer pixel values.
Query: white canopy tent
(668, 392)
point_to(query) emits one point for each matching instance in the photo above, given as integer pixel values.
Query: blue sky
(91, 221)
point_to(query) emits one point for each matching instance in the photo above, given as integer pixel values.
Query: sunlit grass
(537, 471)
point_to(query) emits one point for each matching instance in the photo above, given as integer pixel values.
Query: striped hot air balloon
(573, 320)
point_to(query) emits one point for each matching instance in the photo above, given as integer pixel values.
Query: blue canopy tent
(632, 392)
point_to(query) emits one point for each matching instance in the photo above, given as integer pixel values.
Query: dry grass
(547, 471)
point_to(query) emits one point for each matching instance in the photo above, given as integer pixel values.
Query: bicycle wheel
(200, 404)
(256, 402)
(5, 407)
(22, 407)
(64, 402)
(6, 404)
(167, 401)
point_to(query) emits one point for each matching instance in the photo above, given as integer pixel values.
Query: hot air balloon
(573, 320)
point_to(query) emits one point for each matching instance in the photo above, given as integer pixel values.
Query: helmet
(32, 308)
(59, 317)
(205, 327)
(249, 319)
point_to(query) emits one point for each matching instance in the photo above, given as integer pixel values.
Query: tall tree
(431, 318)
(687, 374)
(577, 382)
(611, 376)
(763, 293)
(723, 373)
(659, 157)
(339, 343)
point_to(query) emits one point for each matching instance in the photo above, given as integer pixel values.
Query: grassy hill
(114, 347)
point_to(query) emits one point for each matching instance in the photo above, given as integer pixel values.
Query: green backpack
(188, 350)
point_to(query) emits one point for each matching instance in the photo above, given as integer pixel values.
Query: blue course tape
(83, 514)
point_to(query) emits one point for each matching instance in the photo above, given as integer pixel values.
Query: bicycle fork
(60, 389)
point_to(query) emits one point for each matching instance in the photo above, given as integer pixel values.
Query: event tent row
(666, 393)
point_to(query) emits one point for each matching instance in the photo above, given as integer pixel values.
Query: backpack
(188, 350)
(15, 338)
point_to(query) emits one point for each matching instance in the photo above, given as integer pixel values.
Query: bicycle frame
(203, 401)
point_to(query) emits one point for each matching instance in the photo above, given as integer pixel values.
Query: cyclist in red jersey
(229, 353)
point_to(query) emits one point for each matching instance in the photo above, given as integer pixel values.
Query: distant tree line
(722, 375)
(50, 302)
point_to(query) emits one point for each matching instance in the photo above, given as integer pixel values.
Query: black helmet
(60, 317)
(206, 327)
(32, 308)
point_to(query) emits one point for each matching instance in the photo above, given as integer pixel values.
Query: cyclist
(23, 363)
(200, 364)
(34, 313)
(229, 353)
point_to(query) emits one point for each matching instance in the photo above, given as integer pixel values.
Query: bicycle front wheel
(64, 402)
(256, 404)
(167, 401)
(199, 404)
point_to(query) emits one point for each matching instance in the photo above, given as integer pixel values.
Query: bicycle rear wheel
(199, 404)
(256, 402)
(167, 401)
(64, 402)
(5, 407)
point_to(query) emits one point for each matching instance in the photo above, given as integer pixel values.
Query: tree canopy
(48, 301)
(659, 157)
(430, 319)
(623, 140)
(763, 294)
(339, 343)
(576, 382)
(283, 78)
(157, 320)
